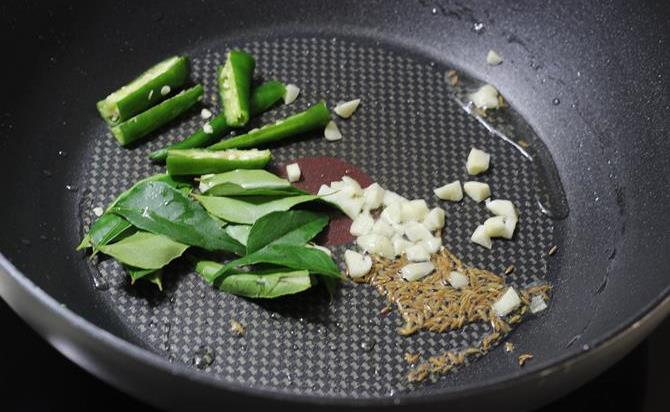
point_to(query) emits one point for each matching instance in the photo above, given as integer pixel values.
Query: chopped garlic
(510, 226)
(496, 226)
(500, 207)
(417, 253)
(348, 181)
(373, 196)
(207, 128)
(486, 97)
(165, 90)
(507, 302)
(478, 161)
(351, 207)
(381, 227)
(451, 191)
(291, 93)
(400, 244)
(346, 109)
(391, 213)
(293, 172)
(332, 132)
(537, 304)
(392, 197)
(417, 232)
(362, 225)
(413, 211)
(432, 245)
(205, 114)
(480, 237)
(416, 271)
(376, 244)
(325, 190)
(477, 191)
(357, 264)
(98, 211)
(434, 220)
(493, 58)
(457, 280)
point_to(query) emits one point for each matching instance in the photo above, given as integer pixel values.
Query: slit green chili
(199, 161)
(235, 85)
(315, 117)
(262, 98)
(150, 120)
(150, 88)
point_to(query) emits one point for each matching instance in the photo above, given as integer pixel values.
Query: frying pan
(585, 82)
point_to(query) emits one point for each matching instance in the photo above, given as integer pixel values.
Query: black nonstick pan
(586, 84)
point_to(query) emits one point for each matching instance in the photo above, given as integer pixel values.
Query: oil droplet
(71, 188)
(332, 347)
(203, 357)
(478, 27)
(99, 283)
(556, 101)
(367, 345)
(294, 347)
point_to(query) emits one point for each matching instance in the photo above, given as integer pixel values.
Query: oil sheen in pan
(508, 125)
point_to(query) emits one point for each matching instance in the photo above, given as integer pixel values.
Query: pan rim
(654, 311)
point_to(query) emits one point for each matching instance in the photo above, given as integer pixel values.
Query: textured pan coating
(408, 135)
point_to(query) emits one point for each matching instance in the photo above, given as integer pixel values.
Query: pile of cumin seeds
(431, 304)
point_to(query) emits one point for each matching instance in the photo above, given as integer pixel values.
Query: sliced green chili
(150, 88)
(146, 122)
(235, 85)
(199, 161)
(315, 117)
(262, 98)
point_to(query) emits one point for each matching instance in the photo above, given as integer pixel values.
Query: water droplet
(62, 153)
(72, 188)
(556, 101)
(274, 316)
(203, 357)
(294, 347)
(44, 238)
(585, 347)
(367, 345)
(26, 242)
(478, 27)
(376, 371)
(166, 326)
(47, 173)
(433, 11)
(151, 324)
(332, 347)
(289, 378)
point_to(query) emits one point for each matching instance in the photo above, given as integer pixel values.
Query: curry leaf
(295, 227)
(292, 256)
(110, 227)
(265, 284)
(106, 229)
(161, 209)
(154, 276)
(145, 250)
(239, 233)
(244, 179)
(249, 209)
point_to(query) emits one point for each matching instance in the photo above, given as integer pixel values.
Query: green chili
(150, 88)
(262, 98)
(150, 120)
(199, 161)
(315, 117)
(234, 86)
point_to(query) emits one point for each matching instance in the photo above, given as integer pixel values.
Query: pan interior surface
(411, 134)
